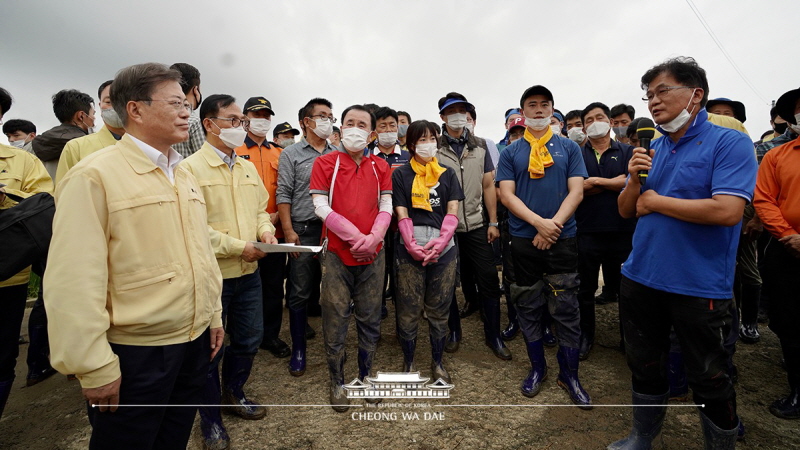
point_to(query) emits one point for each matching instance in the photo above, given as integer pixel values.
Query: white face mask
(324, 128)
(470, 127)
(402, 130)
(457, 121)
(387, 139)
(232, 137)
(537, 124)
(111, 118)
(556, 129)
(19, 144)
(796, 128)
(427, 150)
(260, 127)
(354, 139)
(576, 135)
(598, 129)
(286, 142)
(678, 122)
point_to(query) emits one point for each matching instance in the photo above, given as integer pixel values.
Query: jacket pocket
(145, 277)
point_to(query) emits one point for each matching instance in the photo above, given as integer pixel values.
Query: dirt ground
(485, 408)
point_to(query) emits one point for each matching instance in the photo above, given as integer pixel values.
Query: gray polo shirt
(294, 176)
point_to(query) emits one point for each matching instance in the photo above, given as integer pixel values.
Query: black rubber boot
(215, 437)
(787, 407)
(338, 398)
(548, 337)
(512, 329)
(717, 438)
(437, 367)
(365, 359)
(647, 421)
(453, 341)
(297, 329)
(748, 332)
(568, 377)
(532, 384)
(38, 359)
(491, 329)
(235, 372)
(409, 347)
(676, 375)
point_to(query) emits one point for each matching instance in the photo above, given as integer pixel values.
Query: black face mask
(780, 128)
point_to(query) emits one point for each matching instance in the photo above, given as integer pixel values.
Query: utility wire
(725, 53)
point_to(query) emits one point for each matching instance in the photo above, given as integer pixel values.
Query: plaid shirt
(196, 137)
(763, 147)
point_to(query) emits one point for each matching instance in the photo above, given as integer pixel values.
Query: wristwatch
(494, 224)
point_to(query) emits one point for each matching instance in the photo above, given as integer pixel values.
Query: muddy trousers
(427, 288)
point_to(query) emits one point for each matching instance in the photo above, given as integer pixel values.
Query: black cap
(786, 104)
(284, 128)
(536, 90)
(257, 104)
(738, 107)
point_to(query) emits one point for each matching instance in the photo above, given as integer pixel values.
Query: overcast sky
(402, 54)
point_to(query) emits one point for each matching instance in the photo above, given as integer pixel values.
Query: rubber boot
(39, 368)
(787, 407)
(748, 332)
(215, 437)
(676, 375)
(437, 367)
(409, 346)
(297, 329)
(532, 384)
(365, 359)
(717, 438)
(548, 337)
(453, 341)
(5, 391)
(512, 329)
(568, 377)
(647, 421)
(235, 372)
(491, 329)
(338, 398)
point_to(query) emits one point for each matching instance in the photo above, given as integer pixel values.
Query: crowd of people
(167, 218)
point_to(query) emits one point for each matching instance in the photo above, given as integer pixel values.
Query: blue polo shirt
(687, 258)
(541, 195)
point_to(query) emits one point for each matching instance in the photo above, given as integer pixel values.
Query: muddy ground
(478, 414)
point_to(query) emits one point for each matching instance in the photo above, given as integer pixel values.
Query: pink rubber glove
(367, 246)
(343, 228)
(406, 227)
(446, 233)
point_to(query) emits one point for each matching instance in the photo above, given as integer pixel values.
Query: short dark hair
(574, 114)
(449, 96)
(385, 112)
(621, 109)
(190, 76)
(403, 113)
(69, 101)
(633, 126)
(372, 107)
(359, 108)
(136, 83)
(5, 101)
(100, 90)
(306, 111)
(685, 70)
(417, 130)
(14, 125)
(593, 106)
(211, 106)
(337, 130)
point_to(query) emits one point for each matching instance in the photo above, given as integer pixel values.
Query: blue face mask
(402, 130)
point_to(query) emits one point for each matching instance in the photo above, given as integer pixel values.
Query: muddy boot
(717, 438)
(453, 342)
(437, 368)
(409, 347)
(647, 421)
(676, 374)
(365, 359)
(532, 384)
(512, 329)
(491, 329)
(568, 377)
(215, 437)
(339, 400)
(235, 372)
(297, 329)
(38, 360)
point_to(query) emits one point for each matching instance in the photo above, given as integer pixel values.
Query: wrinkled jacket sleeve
(264, 222)
(225, 245)
(77, 268)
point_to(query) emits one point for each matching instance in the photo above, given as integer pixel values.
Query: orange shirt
(777, 196)
(265, 158)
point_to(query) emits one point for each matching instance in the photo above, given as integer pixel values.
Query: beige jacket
(79, 148)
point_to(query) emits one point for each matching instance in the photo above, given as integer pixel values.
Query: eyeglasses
(235, 121)
(177, 104)
(662, 91)
(323, 117)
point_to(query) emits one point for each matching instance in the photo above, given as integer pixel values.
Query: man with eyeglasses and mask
(236, 201)
(681, 269)
(75, 111)
(299, 223)
(137, 316)
(81, 147)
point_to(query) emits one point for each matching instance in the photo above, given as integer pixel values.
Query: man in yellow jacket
(134, 301)
(236, 200)
(22, 174)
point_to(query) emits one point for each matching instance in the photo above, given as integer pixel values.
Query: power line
(725, 53)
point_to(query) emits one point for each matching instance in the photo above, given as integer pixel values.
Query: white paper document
(287, 248)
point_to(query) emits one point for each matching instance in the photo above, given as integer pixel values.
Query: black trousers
(478, 267)
(701, 325)
(781, 278)
(595, 249)
(273, 270)
(158, 375)
(13, 301)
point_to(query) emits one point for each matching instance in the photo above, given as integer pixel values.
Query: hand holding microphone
(645, 131)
